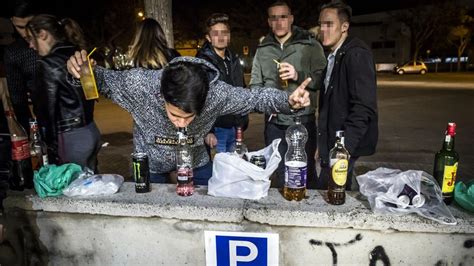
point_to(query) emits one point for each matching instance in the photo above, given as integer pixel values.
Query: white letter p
(234, 258)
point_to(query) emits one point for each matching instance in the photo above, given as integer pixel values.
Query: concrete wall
(161, 228)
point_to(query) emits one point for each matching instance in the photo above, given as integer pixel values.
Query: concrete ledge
(273, 210)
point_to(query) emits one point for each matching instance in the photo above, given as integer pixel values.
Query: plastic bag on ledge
(88, 184)
(235, 177)
(391, 191)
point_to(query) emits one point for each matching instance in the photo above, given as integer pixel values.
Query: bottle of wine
(446, 164)
(22, 172)
(339, 162)
(296, 162)
(38, 148)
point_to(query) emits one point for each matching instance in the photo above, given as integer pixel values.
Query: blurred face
(280, 20)
(20, 25)
(39, 42)
(219, 36)
(332, 31)
(178, 117)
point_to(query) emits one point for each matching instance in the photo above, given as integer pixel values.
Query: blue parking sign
(241, 248)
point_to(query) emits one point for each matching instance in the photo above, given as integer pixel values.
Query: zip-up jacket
(303, 52)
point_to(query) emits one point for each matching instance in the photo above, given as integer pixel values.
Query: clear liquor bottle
(240, 148)
(184, 165)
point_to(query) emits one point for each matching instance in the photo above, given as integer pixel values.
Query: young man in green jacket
(284, 58)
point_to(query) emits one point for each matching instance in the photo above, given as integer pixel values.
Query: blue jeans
(201, 175)
(225, 138)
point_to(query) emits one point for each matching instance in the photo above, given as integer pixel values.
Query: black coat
(350, 102)
(235, 78)
(60, 103)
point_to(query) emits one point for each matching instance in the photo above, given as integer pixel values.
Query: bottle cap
(340, 134)
(451, 129)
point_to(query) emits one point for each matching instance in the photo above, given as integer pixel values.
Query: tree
(160, 10)
(423, 21)
(460, 36)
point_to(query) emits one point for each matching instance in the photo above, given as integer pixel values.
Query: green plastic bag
(51, 179)
(464, 195)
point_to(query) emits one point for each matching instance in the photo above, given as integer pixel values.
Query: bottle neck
(448, 143)
(239, 136)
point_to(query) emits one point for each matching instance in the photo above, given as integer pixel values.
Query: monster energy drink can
(141, 172)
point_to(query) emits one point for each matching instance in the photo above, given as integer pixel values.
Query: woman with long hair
(66, 116)
(149, 48)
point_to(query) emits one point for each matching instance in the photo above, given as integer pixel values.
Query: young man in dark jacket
(348, 101)
(216, 51)
(20, 64)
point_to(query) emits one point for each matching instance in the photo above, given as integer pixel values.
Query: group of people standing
(205, 94)
(345, 79)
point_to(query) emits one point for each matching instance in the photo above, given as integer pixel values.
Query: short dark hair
(278, 3)
(344, 11)
(215, 19)
(185, 85)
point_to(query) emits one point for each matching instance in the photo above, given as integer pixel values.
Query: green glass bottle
(446, 164)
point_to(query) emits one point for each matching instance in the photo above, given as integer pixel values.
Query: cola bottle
(296, 162)
(184, 165)
(22, 171)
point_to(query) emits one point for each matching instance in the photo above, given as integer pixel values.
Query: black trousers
(274, 131)
(80, 146)
(325, 175)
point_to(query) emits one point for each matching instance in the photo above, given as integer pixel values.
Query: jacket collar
(299, 35)
(209, 51)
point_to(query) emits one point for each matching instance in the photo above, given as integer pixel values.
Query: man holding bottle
(348, 100)
(284, 58)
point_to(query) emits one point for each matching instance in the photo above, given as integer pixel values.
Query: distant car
(417, 67)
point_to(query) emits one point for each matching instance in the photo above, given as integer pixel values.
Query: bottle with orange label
(339, 162)
(446, 164)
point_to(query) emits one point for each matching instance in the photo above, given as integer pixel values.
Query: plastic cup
(88, 83)
(283, 83)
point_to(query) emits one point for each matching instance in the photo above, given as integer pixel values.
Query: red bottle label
(20, 150)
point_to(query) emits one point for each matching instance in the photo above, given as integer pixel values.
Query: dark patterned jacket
(232, 73)
(20, 65)
(138, 91)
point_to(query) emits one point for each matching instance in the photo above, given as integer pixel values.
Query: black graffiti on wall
(377, 254)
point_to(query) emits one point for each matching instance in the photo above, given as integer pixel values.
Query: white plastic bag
(234, 177)
(87, 185)
(383, 188)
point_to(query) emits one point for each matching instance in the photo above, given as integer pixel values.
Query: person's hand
(287, 71)
(211, 140)
(300, 97)
(76, 61)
